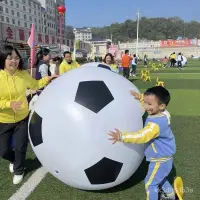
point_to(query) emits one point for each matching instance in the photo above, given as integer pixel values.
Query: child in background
(164, 61)
(53, 66)
(158, 139)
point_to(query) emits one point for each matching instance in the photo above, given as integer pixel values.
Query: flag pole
(138, 19)
(31, 43)
(74, 49)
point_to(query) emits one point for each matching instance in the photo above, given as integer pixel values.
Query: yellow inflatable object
(154, 67)
(178, 187)
(159, 83)
(145, 75)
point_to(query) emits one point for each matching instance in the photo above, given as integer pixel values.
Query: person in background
(109, 60)
(179, 60)
(67, 63)
(53, 66)
(42, 66)
(164, 61)
(95, 59)
(126, 59)
(173, 59)
(14, 81)
(134, 65)
(42, 63)
(145, 61)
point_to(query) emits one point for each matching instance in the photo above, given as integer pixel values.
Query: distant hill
(150, 28)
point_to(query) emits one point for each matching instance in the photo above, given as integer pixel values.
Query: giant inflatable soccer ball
(101, 65)
(69, 125)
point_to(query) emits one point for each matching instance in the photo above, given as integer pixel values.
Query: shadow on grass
(137, 177)
(32, 165)
(172, 175)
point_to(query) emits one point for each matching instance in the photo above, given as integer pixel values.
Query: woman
(14, 82)
(109, 60)
(42, 63)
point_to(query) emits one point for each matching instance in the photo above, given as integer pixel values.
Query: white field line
(29, 186)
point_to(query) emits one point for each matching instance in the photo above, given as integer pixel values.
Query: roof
(86, 30)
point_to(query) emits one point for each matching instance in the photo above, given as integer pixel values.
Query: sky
(98, 13)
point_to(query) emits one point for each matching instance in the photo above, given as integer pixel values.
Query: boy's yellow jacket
(13, 88)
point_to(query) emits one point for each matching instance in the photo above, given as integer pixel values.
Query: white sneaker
(11, 168)
(18, 179)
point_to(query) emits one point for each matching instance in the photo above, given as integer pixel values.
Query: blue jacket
(38, 75)
(157, 136)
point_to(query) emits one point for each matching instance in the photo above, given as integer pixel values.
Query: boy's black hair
(126, 51)
(161, 93)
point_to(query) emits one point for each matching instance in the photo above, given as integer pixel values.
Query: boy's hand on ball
(135, 94)
(114, 135)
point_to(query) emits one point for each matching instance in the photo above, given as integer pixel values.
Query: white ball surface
(69, 125)
(101, 65)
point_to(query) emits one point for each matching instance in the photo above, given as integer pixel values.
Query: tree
(150, 28)
(69, 32)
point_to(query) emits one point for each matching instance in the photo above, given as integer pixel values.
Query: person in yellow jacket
(14, 112)
(173, 59)
(67, 63)
(109, 60)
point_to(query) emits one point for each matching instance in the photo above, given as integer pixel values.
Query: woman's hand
(16, 105)
(50, 78)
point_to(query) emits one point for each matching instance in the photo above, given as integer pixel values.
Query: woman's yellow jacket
(13, 88)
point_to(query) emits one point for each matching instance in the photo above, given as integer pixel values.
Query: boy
(158, 138)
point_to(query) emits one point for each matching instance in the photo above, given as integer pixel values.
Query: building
(17, 16)
(83, 34)
(21, 13)
(162, 48)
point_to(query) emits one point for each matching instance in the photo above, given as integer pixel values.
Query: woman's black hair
(5, 51)
(42, 52)
(111, 56)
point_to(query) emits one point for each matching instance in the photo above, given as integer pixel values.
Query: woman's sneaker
(11, 168)
(18, 179)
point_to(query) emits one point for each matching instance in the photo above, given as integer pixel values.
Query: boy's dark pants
(17, 156)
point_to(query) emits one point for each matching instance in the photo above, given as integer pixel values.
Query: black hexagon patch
(105, 171)
(104, 66)
(35, 129)
(93, 95)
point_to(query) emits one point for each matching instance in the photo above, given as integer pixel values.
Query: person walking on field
(126, 61)
(134, 65)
